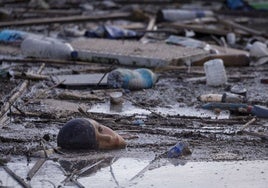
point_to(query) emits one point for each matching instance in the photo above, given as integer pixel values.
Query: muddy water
(128, 108)
(128, 172)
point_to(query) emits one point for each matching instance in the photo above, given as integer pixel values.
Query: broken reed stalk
(30, 76)
(35, 168)
(150, 26)
(70, 19)
(76, 173)
(15, 96)
(241, 27)
(248, 124)
(16, 177)
(12, 99)
(112, 172)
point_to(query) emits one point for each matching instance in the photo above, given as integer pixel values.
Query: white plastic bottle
(45, 47)
(215, 72)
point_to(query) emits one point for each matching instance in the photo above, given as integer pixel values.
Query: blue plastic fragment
(7, 35)
(177, 150)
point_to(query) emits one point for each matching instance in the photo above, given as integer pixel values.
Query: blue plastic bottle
(177, 150)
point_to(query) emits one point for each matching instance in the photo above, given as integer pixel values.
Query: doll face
(106, 137)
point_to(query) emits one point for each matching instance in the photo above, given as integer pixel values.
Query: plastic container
(231, 38)
(181, 148)
(226, 97)
(258, 50)
(131, 79)
(259, 111)
(215, 72)
(48, 48)
(173, 15)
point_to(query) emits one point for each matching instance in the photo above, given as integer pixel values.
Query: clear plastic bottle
(45, 47)
(215, 72)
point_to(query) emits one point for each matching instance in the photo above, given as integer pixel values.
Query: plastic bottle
(172, 15)
(141, 78)
(225, 97)
(181, 148)
(215, 72)
(259, 111)
(45, 47)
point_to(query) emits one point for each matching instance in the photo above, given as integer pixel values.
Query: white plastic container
(45, 47)
(215, 72)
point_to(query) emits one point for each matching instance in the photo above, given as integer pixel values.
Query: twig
(140, 173)
(35, 168)
(17, 178)
(15, 96)
(141, 106)
(12, 99)
(64, 19)
(248, 124)
(76, 173)
(112, 172)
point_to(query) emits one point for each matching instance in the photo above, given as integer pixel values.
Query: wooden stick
(30, 76)
(17, 178)
(241, 27)
(70, 19)
(35, 168)
(248, 124)
(15, 96)
(12, 99)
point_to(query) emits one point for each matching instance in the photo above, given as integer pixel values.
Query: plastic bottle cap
(74, 54)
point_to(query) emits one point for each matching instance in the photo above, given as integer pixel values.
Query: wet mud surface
(210, 134)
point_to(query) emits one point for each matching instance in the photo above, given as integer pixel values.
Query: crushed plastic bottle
(141, 78)
(181, 148)
(46, 47)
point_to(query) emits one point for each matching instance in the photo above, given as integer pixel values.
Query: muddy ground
(35, 118)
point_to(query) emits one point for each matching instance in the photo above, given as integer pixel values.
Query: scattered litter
(255, 110)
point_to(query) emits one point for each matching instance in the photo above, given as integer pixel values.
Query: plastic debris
(180, 149)
(259, 52)
(226, 97)
(141, 78)
(256, 110)
(215, 72)
(187, 42)
(238, 5)
(112, 32)
(8, 35)
(48, 48)
(238, 89)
